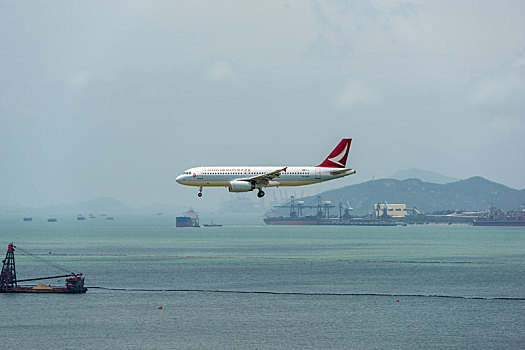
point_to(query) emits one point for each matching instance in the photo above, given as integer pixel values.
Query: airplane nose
(179, 178)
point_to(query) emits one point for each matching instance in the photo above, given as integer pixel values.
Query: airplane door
(199, 175)
(317, 173)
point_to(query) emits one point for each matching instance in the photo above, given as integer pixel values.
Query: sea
(247, 285)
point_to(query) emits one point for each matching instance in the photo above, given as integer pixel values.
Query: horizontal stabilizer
(343, 171)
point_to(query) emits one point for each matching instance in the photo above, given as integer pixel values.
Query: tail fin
(338, 157)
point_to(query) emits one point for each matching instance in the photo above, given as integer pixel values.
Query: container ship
(188, 219)
(497, 217)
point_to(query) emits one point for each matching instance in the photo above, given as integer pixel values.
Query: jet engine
(241, 186)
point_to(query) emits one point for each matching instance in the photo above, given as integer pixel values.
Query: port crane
(9, 281)
(296, 207)
(346, 208)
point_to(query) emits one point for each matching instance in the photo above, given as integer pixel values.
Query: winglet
(338, 157)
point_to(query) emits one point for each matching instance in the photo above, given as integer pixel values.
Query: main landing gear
(200, 192)
(260, 194)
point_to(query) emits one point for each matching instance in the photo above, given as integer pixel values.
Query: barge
(10, 284)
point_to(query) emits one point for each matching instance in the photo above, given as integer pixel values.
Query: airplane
(249, 178)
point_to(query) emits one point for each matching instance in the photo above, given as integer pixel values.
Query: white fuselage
(292, 176)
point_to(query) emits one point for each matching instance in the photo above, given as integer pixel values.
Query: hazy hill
(423, 175)
(168, 209)
(102, 205)
(97, 206)
(475, 193)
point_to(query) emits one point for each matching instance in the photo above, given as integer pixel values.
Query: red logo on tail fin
(338, 157)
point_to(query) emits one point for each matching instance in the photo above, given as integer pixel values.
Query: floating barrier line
(303, 293)
(230, 257)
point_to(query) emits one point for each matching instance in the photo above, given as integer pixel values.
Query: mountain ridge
(423, 175)
(475, 193)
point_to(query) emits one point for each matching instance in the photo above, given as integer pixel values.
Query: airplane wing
(264, 178)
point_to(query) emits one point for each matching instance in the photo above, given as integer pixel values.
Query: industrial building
(391, 210)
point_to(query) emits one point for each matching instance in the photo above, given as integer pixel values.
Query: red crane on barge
(9, 282)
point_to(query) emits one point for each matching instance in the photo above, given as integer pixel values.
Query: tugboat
(212, 224)
(9, 282)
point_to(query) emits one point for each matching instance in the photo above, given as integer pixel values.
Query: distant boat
(212, 224)
(28, 218)
(109, 218)
(91, 216)
(52, 220)
(81, 217)
(160, 213)
(103, 214)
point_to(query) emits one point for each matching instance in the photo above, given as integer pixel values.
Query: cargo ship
(361, 221)
(188, 219)
(292, 220)
(296, 216)
(322, 216)
(10, 284)
(314, 220)
(497, 217)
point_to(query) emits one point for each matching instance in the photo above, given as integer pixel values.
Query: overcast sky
(116, 98)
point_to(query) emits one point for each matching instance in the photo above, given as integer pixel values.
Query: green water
(336, 286)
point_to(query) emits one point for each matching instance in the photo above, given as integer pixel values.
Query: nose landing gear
(260, 194)
(200, 192)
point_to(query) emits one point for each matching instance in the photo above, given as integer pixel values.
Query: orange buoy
(397, 300)
(160, 307)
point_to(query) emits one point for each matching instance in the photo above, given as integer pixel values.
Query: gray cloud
(117, 98)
